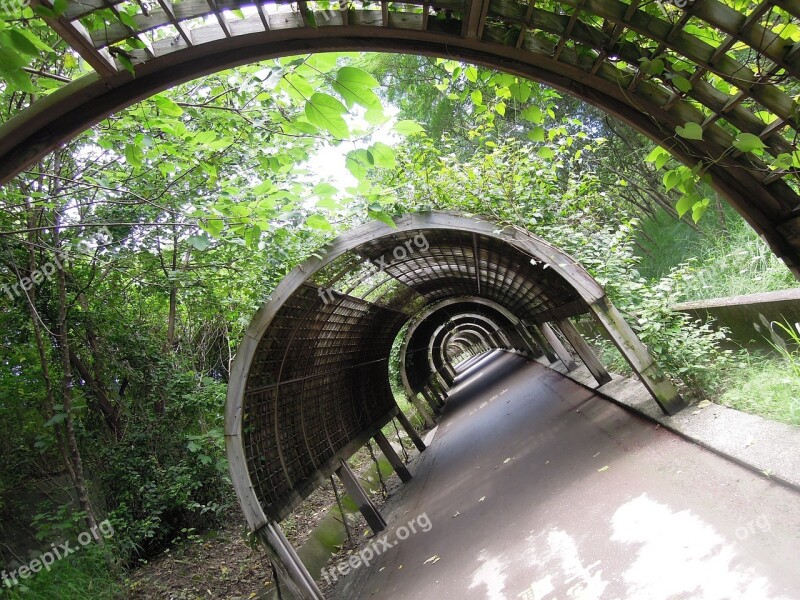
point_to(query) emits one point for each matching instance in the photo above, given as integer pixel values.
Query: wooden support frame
(410, 431)
(414, 398)
(293, 577)
(394, 460)
(543, 345)
(359, 495)
(558, 347)
(583, 350)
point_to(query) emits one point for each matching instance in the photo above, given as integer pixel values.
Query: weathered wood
(638, 357)
(293, 577)
(410, 431)
(543, 344)
(559, 348)
(423, 412)
(359, 495)
(583, 349)
(394, 460)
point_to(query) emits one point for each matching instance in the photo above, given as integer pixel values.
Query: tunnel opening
(310, 384)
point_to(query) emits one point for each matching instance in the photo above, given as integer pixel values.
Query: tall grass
(727, 259)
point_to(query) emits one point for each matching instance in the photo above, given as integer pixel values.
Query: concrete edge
(765, 447)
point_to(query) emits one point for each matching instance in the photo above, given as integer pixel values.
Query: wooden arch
(310, 381)
(654, 65)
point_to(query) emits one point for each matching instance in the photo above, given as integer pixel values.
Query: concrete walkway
(536, 488)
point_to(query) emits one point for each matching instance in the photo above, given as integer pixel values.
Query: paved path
(535, 488)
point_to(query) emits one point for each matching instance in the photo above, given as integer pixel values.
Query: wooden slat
(79, 40)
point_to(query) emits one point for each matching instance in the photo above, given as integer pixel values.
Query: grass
(725, 260)
(79, 577)
(769, 387)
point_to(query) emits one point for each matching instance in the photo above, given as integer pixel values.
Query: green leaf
(408, 128)
(319, 222)
(471, 74)
(521, 91)
(659, 156)
(167, 106)
(747, 142)
(672, 178)
(204, 137)
(681, 83)
(477, 97)
(325, 111)
(685, 204)
(59, 7)
(127, 64)
(382, 216)
(500, 107)
(355, 76)
(355, 86)
(546, 153)
(537, 135)
(127, 20)
(56, 419)
(690, 131)
(134, 155)
(384, 156)
(533, 114)
(199, 242)
(699, 209)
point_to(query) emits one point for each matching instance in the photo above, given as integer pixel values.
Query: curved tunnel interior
(311, 383)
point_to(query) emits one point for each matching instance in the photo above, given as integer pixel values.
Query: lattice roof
(730, 66)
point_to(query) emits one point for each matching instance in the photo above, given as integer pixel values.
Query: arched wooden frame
(592, 299)
(571, 53)
(437, 356)
(443, 304)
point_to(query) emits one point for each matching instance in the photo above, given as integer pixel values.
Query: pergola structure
(310, 383)
(729, 66)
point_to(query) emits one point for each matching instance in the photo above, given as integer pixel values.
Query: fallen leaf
(506, 460)
(595, 455)
(601, 469)
(696, 412)
(455, 515)
(482, 499)
(703, 404)
(433, 560)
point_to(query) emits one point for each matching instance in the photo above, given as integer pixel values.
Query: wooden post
(410, 431)
(588, 357)
(394, 460)
(293, 577)
(422, 410)
(429, 397)
(543, 345)
(359, 495)
(559, 348)
(638, 357)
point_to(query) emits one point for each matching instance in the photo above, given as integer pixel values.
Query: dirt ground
(222, 565)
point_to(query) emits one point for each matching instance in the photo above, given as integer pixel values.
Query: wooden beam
(638, 357)
(555, 343)
(79, 39)
(293, 577)
(410, 431)
(583, 350)
(414, 398)
(394, 460)
(359, 495)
